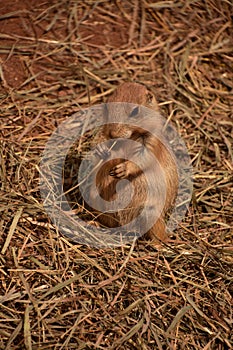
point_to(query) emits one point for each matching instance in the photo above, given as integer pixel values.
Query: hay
(58, 57)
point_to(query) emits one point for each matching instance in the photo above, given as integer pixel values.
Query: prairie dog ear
(152, 102)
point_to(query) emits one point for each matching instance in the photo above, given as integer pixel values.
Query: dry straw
(60, 56)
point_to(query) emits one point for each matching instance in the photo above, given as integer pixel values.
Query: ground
(60, 56)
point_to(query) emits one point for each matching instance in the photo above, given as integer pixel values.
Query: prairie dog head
(124, 111)
(131, 93)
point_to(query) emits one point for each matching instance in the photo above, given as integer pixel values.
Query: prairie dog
(139, 164)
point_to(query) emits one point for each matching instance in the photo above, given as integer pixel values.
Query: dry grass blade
(178, 317)
(12, 230)
(27, 329)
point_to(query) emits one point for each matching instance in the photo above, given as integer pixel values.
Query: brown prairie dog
(139, 163)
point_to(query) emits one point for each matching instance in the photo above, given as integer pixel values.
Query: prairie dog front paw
(124, 170)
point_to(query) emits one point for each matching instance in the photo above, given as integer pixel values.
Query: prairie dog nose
(119, 133)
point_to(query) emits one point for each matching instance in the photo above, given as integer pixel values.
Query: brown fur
(124, 169)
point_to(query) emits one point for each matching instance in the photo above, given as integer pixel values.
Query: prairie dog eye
(134, 112)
